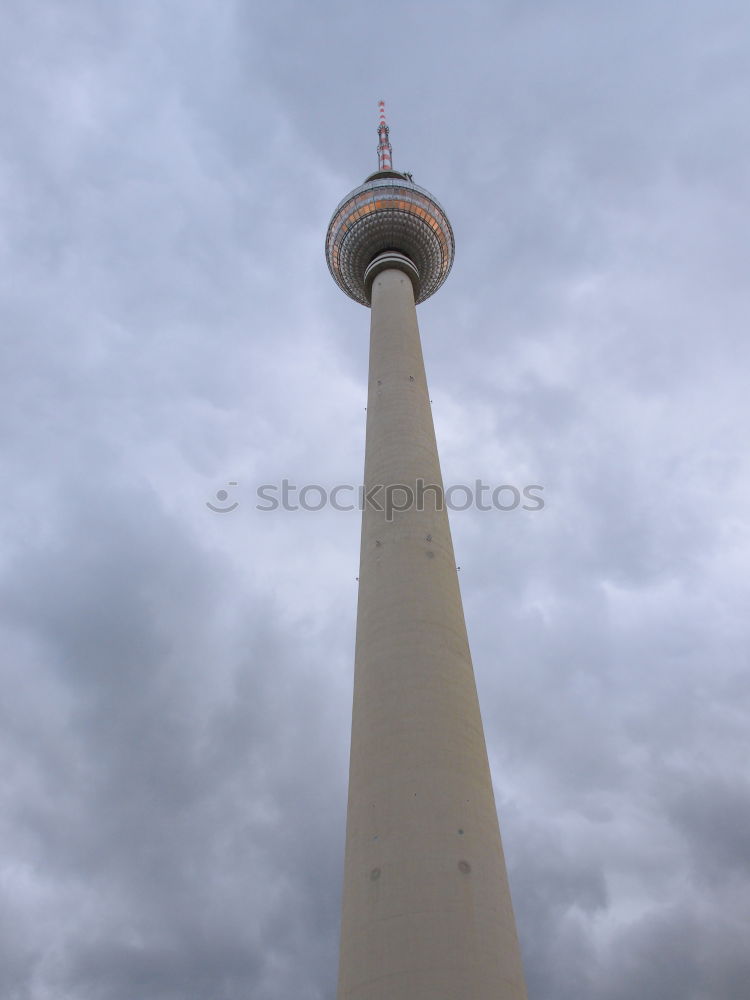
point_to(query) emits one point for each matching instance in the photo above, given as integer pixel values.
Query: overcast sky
(177, 682)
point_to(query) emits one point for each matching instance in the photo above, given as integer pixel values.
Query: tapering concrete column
(426, 911)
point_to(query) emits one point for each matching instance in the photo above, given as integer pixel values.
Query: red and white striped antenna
(384, 145)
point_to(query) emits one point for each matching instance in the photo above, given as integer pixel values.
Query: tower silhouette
(426, 912)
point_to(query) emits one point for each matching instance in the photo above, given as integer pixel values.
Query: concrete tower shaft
(426, 911)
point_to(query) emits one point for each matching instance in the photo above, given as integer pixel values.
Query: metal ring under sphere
(390, 259)
(389, 212)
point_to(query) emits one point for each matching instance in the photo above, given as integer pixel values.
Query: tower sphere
(389, 212)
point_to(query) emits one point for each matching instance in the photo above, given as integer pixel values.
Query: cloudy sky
(177, 682)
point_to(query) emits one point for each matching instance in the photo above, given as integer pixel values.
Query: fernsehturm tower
(426, 911)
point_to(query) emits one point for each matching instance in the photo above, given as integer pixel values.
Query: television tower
(426, 911)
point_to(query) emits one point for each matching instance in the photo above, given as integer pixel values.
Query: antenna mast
(384, 145)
